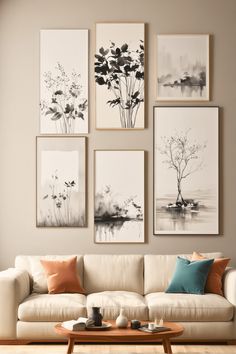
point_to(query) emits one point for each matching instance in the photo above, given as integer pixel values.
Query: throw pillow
(189, 277)
(62, 276)
(214, 279)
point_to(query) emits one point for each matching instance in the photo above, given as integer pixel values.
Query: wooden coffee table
(121, 335)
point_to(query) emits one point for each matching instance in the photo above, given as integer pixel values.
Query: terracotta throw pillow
(214, 279)
(62, 276)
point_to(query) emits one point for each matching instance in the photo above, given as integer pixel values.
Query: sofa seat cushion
(111, 301)
(56, 307)
(189, 307)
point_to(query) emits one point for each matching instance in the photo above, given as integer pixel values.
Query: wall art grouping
(185, 138)
(119, 75)
(61, 182)
(64, 82)
(119, 196)
(183, 67)
(186, 170)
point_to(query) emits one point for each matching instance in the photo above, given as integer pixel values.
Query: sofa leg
(231, 342)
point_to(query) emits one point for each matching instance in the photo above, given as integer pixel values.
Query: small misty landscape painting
(183, 67)
(119, 196)
(61, 182)
(186, 170)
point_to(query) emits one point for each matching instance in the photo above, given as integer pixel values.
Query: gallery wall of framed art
(185, 178)
(35, 38)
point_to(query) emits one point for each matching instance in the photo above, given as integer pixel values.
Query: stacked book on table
(78, 325)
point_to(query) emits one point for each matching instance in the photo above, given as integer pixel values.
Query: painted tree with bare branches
(183, 156)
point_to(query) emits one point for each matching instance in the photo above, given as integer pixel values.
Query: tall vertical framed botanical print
(182, 63)
(186, 170)
(119, 75)
(64, 81)
(61, 182)
(119, 196)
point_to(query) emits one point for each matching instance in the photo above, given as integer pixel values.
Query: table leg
(70, 346)
(167, 346)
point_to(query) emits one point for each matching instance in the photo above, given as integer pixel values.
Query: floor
(116, 349)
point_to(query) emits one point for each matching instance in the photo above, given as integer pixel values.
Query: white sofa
(135, 282)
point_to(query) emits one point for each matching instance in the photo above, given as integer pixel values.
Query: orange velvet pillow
(214, 279)
(62, 276)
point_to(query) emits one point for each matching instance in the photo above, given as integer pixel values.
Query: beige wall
(20, 22)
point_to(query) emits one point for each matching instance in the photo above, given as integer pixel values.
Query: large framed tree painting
(61, 182)
(119, 196)
(119, 75)
(182, 67)
(186, 170)
(64, 81)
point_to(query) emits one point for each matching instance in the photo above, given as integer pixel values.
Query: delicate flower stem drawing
(121, 70)
(66, 103)
(60, 212)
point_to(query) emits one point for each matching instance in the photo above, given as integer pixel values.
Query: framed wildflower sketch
(63, 81)
(119, 75)
(61, 181)
(182, 67)
(186, 170)
(119, 196)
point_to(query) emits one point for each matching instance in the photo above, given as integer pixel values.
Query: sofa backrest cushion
(113, 272)
(159, 269)
(35, 269)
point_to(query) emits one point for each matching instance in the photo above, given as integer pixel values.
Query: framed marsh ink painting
(64, 81)
(186, 170)
(61, 182)
(119, 75)
(119, 196)
(182, 63)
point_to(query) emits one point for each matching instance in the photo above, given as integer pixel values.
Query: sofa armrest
(230, 285)
(14, 287)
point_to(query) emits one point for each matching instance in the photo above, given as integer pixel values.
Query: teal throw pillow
(189, 277)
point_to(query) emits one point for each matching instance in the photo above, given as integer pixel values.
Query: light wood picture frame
(120, 76)
(61, 181)
(64, 97)
(182, 67)
(119, 197)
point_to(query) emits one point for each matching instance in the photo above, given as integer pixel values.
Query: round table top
(120, 334)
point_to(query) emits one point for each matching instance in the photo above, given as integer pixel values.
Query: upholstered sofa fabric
(113, 272)
(192, 330)
(159, 269)
(38, 277)
(56, 307)
(189, 307)
(112, 282)
(134, 304)
(14, 288)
